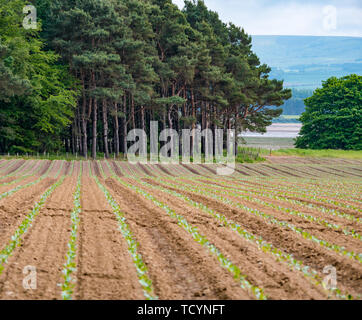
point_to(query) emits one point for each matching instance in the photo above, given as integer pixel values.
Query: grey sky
(291, 17)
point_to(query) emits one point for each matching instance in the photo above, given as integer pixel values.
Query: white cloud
(282, 17)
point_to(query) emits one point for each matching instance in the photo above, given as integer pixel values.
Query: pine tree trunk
(124, 122)
(193, 122)
(125, 137)
(73, 138)
(94, 137)
(170, 125)
(133, 113)
(105, 128)
(236, 149)
(143, 118)
(116, 130)
(84, 119)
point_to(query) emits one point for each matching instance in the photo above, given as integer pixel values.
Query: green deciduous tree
(333, 117)
(37, 95)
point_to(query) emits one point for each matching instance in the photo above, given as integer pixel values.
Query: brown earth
(178, 266)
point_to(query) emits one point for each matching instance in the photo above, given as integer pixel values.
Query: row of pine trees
(99, 68)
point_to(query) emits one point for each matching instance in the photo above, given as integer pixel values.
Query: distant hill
(303, 62)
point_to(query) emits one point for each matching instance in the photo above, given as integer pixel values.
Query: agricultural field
(111, 230)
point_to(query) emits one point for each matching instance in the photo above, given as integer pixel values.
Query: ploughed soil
(178, 266)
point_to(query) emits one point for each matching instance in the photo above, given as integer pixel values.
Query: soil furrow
(349, 271)
(44, 247)
(277, 280)
(105, 269)
(179, 267)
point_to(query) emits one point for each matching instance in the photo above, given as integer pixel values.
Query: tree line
(99, 68)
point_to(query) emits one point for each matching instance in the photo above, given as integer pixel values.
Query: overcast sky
(291, 17)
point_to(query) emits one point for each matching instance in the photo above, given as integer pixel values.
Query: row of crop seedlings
(323, 177)
(354, 170)
(45, 175)
(11, 174)
(315, 172)
(179, 170)
(284, 171)
(301, 174)
(132, 169)
(3, 164)
(70, 265)
(250, 198)
(266, 193)
(11, 164)
(352, 194)
(255, 291)
(140, 266)
(347, 190)
(324, 172)
(28, 173)
(26, 224)
(259, 170)
(298, 169)
(342, 171)
(269, 192)
(308, 170)
(280, 256)
(353, 175)
(123, 170)
(325, 184)
(310, 195)
(273, 173)
(250, 173)
(155, 169)
(336, 191)
(270, 220)
(129, 168)
(201, 170)
(315, 194)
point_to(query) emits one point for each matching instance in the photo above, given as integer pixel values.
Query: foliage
(38, 95)
(333, 116)
(146, 60)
